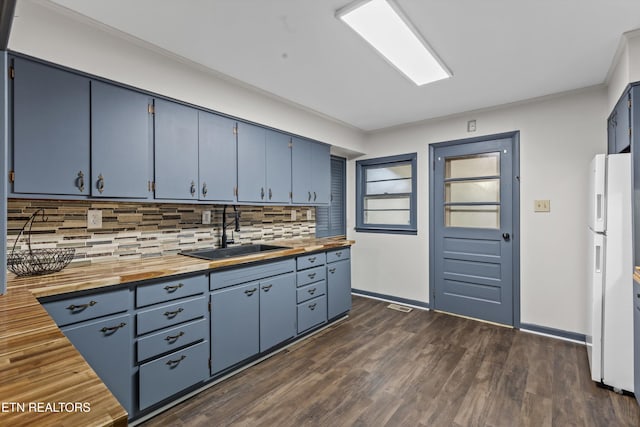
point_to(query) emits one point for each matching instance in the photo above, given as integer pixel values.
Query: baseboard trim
(554, 333)
(389, 298)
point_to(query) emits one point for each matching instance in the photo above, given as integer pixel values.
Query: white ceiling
(499, 51)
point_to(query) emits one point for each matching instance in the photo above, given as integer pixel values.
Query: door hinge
(629, 104)
(290, 143)
(12, 72)
(209, 363)
(12, 177)
(153, 186)
(151, 109)
(235, 129)
(209, 306)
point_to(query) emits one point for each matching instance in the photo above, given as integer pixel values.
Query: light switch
(94, 219)
(542, 206)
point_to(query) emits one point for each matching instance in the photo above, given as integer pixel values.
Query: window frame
(388, 161)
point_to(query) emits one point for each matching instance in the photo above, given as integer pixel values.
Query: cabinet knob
(100, 183)
(80, 181)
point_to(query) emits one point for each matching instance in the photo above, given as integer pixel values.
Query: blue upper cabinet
(251, 163)
(176, 151)
(278, 167)
(217, 157)
(50, 130)
(121, 129)
(619, 126)
(310, 168)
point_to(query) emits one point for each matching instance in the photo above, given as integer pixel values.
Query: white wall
(42, 31)
(558, 137)
(625, 68)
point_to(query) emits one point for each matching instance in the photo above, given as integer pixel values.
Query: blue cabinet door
(277, 310)
(120, 142)
(50, 130)
(251, 163)
(234, 325)
(106, 345)
(175, 151)
(278, 167)
(320, 173)
(301, 171)
(338, 288)
(217, 157)
(622, 118)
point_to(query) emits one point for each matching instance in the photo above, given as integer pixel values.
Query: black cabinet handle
(309, 198)
(113, 328)
(270, 194)
(100, 183)
(312, 291)
(172, 314)
(80, 181)
(311, 275)
(73, 307)
(262, 193)
(332, 270)
(250, 292)
(266, 288)
(174, 363)
(315, 196)
(204, 189)
(339, 254)
(192, 189)
(174, 338)
(312, 259)
(173, 288)
(312, 306)
(506, 236)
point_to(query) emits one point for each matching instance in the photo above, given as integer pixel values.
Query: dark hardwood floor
(382, 367)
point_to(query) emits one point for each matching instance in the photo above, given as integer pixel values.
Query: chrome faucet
(236, 214)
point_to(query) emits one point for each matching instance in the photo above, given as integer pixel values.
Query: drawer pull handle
(173, 363)
(332, 270)
(339, 254)
(311, 275)
(113, 328)
(73, 307)
(173, 288)
(266, 288)
(250, 292)
(312, 259)
(174, 338)
(312, 291)
(312, 306)
(172, 314)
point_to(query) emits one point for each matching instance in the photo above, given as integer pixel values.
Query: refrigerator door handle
(598, 207)
(598, 263)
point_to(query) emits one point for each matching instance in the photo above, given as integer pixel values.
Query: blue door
(251, 163)
(473, 230)
(217, 157)
(278, 167)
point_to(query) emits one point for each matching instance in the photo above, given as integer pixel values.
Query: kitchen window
(386, 194)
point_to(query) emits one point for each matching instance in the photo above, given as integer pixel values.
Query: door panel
(217, 159)
(301, 171)
(320, 173)
(251, 163)
(278, 166)
(473, 230)
(277, 310)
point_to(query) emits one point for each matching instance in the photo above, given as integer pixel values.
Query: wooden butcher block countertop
(43, 379)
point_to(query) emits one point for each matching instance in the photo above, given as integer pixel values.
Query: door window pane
(487, 164)
(384, 173)
(387, 217)
(482, 190)
(386, 203)
(389, 187)
(477, 216)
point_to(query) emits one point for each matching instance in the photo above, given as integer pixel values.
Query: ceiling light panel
(383, 26)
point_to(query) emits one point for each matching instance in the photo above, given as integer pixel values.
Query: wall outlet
(94, 219)
(309, 215)
(542, 205)
(294, 214)
(206, 217)
(471, 126)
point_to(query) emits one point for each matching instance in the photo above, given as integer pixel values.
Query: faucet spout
(224, 240)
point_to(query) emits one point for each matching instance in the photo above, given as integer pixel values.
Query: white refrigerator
(610, 302)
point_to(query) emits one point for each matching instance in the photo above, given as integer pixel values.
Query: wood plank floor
(381, 367)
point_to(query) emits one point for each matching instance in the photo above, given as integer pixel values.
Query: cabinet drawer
(311, 291)
(172, 339)
(168, 290)
(312, 313)
(166, 376)
(338, 254)
(222, 279)
(77, 309)
(309, 261)
(171, 314)
(311, 275)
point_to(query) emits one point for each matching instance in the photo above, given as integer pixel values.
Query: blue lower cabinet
(312, 313)
(338, 288)
(91, 306)
(234, 325)
(311, 291)
(172, 339)
(168, 375)
(277, 310)
(106, 345)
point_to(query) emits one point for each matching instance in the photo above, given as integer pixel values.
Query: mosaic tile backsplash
(139, 230)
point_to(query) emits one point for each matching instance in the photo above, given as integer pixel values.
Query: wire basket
(33, 262)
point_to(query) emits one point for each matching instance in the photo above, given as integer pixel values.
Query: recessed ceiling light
(383, 26)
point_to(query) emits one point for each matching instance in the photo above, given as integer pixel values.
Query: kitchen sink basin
(212, 254)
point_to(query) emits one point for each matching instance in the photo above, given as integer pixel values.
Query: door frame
(515, 200)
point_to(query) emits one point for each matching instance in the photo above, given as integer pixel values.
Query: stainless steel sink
(212, 254)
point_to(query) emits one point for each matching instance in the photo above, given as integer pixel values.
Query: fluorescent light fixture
(382, 25)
